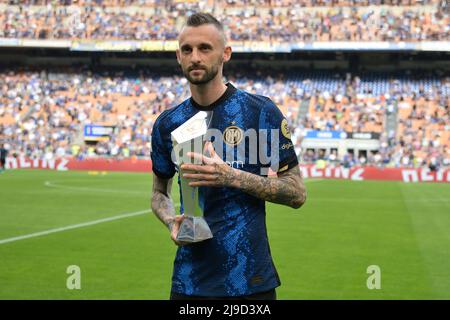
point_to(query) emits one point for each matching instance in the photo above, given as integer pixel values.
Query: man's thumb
(179, 218)
(212, 152)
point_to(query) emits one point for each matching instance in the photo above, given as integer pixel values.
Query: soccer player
(236, 263)
(3, 154)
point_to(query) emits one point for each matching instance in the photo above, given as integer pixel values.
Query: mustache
(196, 67)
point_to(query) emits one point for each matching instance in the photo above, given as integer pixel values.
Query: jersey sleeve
(162, 164)
(276, 126)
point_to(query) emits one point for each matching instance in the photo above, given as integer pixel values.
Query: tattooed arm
(288, 188)
(163, 207)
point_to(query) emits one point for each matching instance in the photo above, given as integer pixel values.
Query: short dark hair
(201, 18)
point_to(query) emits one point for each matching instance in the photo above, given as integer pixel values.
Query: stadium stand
(42, 113)
(277, 21)
(43, 110)
(226, 3)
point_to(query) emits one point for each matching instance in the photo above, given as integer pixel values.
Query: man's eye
(186, 50)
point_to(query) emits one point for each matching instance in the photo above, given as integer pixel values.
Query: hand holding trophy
(189, 137)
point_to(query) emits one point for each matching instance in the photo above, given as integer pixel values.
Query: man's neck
(206, 94)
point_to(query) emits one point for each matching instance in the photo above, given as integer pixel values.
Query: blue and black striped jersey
(237, 260)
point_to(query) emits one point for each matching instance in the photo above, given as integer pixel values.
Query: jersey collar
(228, 93)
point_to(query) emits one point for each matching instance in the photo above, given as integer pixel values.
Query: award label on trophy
(189, 137)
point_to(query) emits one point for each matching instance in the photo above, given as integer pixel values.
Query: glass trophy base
(194, 229)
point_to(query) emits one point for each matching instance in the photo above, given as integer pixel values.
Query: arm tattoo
(162, 204)
(288, 188)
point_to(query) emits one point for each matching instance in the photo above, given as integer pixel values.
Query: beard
(208, 74)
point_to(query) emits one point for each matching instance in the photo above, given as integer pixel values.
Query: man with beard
(236, 263)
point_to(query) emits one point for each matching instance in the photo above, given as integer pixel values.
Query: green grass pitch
(322, 251)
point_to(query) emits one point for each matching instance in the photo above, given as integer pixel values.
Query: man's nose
(195, 57)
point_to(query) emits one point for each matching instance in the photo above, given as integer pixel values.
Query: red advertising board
(308, 171)
(94, 164)
(375, 173)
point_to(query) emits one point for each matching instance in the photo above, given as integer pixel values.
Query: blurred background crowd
(43, 113)
(275, 21)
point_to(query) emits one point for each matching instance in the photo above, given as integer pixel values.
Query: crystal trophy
(189, 137)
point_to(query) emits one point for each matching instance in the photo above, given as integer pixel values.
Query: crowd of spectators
(277, 21)
(43, 113)
(226, 3)
(420, 107)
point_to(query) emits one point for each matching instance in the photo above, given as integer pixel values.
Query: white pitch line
(75, 226)
(58, 186)
(85, 224)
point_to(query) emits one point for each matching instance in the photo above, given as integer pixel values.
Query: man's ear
(227, 54)
(178, 56)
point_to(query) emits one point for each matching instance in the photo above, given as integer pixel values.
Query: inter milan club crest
(233, 135)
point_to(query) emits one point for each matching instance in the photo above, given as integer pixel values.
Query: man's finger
(199, 176)
(179, 218)
(176, 228)
(198, 168)
(173, 235)
(204, 183)
(205, 148)
(211, 150)
(199, 157)
(180, 243)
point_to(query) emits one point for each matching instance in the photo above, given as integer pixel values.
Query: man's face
(202, 53)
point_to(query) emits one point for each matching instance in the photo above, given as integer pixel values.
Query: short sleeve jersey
(237, 260)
